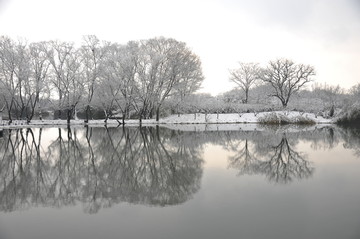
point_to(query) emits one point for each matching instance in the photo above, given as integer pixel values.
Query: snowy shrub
(303, 120)
(274, 118)
(280, 119)
(350, 116)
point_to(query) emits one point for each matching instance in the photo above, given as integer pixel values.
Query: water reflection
(276, 158)
(351, 139)
(152, 166)
(98, 168)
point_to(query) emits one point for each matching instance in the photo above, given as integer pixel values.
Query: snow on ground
(239, 121)
(238, 118)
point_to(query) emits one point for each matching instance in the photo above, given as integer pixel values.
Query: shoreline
(185, 119)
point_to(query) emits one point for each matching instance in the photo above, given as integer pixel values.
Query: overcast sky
(322, 33)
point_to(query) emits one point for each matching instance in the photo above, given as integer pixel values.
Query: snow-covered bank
(241, 118)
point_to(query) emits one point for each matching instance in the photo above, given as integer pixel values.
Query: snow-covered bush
(274, 118)
(303, 120)
(281, 119)
(350, 116)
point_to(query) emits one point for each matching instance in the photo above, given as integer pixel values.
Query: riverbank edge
(187, 119)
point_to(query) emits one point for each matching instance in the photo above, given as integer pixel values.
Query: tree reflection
(277, 159)
(351, 138)
(20, 160)
(153, 166)
(285, 163)
(243, 160)
(97, 167)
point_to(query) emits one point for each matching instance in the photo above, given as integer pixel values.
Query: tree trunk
(68, 118)
(9, 110)
(87, 114)
(58, 114)
(246, 96)
(157, 114)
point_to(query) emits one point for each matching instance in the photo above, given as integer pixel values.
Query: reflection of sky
(325, 205)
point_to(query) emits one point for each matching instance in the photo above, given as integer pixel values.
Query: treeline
(148, 78)
(283, 82)
(131, 80)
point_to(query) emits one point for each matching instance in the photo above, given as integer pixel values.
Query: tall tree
(245, 76)
(39, 73)
(165, 64)
(65, 78)
(118, 77)
(8, 81)
(15, 76)
(286, 78)
(92, 53)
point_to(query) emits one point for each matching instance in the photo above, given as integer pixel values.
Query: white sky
(323, 33)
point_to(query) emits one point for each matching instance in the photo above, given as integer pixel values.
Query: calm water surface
(161, 183)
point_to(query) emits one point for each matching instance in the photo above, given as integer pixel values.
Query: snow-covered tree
(15, 77)
(245, 76)
(286, 78)
(65, 78)
(92, 53)
(331, 96)
(39, 75)
(166, 67)
(355, 92)
(8, 81)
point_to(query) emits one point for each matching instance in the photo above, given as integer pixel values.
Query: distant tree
(259, 94)
(232, 96)
(355, 92)
(245, 77)
(331, 96)
(286, 78)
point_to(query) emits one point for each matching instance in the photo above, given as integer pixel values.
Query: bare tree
(165, 64)
(39, 73)
(355, 92)
(118, 78)
(286, 78)
(8, 81)
(245, 77)
(330, 95)
(15, 77)
(65, 78)
(92, 53)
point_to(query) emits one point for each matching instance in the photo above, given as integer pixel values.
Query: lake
(155, 182)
